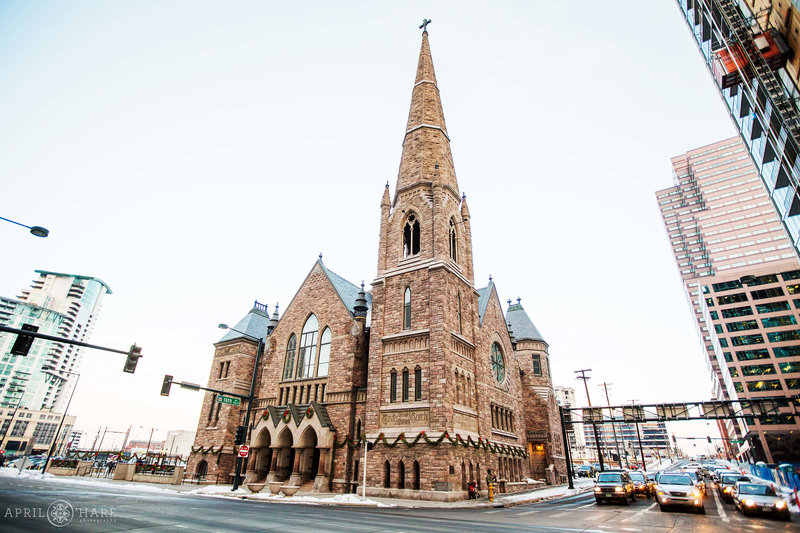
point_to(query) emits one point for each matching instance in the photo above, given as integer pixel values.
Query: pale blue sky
(199, 155)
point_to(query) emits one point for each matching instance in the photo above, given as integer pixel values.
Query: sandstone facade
(442, 384)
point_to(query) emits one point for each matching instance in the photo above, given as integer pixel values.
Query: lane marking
(558, 514)
(495, 511)
(720, 509)
(639, 514)
(587, 505)
(526, 512)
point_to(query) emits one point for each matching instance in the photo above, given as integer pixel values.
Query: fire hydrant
(491, 492)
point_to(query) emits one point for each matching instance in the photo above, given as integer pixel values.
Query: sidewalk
(224, 491)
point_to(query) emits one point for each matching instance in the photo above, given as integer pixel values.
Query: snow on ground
(339, 499)
(97, 482)
(222, 490)
(581, 485)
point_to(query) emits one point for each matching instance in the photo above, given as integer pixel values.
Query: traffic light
(133, 358)
(166, 385)
(239, 437)
(23, 343)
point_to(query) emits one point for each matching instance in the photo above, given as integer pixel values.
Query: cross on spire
(424, 25)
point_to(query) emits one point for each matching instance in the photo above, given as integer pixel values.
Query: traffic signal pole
(238, 472)
(37, 335)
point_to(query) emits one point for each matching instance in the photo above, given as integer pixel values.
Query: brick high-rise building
(426, 366)
(741, 276)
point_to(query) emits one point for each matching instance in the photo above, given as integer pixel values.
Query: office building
(565, 397)
(29, 432)
(740, 274)
(64, 305)
(750, 49)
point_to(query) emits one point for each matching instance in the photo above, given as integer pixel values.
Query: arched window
(415, 479)
(453, 241)
(405, 384)
(401, 475)
(407, 308)
(469, 392)
(417, 384)
(411, 236)
(308, 348)
(393, 386)
(324, 352)
(458, 387)
(460, 321)
(387, 474)
(288, 364)
(498, 363)
(358, 431)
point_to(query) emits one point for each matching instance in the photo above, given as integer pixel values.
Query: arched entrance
(282, 457)
(202, 469)
(260, 460)
(309, 455)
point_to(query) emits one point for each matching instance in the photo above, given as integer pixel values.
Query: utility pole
(639, 438)
(613, 425)
(585, 378)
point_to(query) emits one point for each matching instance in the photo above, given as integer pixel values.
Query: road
(106, 509)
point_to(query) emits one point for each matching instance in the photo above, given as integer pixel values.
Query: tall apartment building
(750, 49)
(741, 277)
(64, 305)
(565, 397)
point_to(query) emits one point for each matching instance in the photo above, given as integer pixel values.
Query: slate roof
(254, 324)
(483, 300)
(521, 325)
(346, 290)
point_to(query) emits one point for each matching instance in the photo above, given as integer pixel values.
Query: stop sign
(244, 450)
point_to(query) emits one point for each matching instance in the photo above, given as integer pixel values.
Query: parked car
(751, 498)
(597, 468)
(678, 489)
(614, 486)
(585, 471)
(727, 483)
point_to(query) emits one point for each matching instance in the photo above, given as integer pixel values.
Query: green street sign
(228, 400)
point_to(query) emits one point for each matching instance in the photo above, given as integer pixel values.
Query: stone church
(429, 370)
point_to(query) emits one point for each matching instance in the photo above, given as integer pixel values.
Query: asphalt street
(24, 504)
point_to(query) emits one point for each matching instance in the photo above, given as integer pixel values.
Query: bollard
(491, 492)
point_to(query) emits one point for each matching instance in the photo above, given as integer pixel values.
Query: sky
(197, 156)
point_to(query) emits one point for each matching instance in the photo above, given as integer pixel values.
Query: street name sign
(228, 400)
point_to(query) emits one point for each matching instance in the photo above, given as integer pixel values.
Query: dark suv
(643, 485)
(727, 482)
(611, 486)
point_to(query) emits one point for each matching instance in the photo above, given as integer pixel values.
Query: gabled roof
(483, 300)
(254, 324)
(521, 326)
(346, 290)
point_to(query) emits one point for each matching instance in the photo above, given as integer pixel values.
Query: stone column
(321, 481)
(295, 479)
(273, 467)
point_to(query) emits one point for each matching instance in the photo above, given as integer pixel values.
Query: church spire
(426, 147)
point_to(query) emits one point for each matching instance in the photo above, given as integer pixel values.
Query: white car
(678, 489)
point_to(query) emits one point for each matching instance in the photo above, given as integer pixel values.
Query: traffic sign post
(244, 450)
(228, 400)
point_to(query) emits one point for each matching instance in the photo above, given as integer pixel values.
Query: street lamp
(259, 351)
(38, 231)
(51, 371)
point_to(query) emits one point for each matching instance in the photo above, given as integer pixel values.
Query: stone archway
(283, 456)
(260, 463)
(308, 464)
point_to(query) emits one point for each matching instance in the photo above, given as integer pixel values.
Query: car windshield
(637, 476)
(692, 475)
(756, 490)
(675, 479)
(609, 478)
(584, 467)
(730, 480)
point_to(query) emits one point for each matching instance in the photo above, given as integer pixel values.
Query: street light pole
(37, 231)
(48, 370)
(259, 351)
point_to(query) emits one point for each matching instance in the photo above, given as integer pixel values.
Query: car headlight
(661, 493)
(748, 502)
(780, 505)
(617, 489)
(727, 489)
(641, 486)
(598, 489)
(696, 494)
